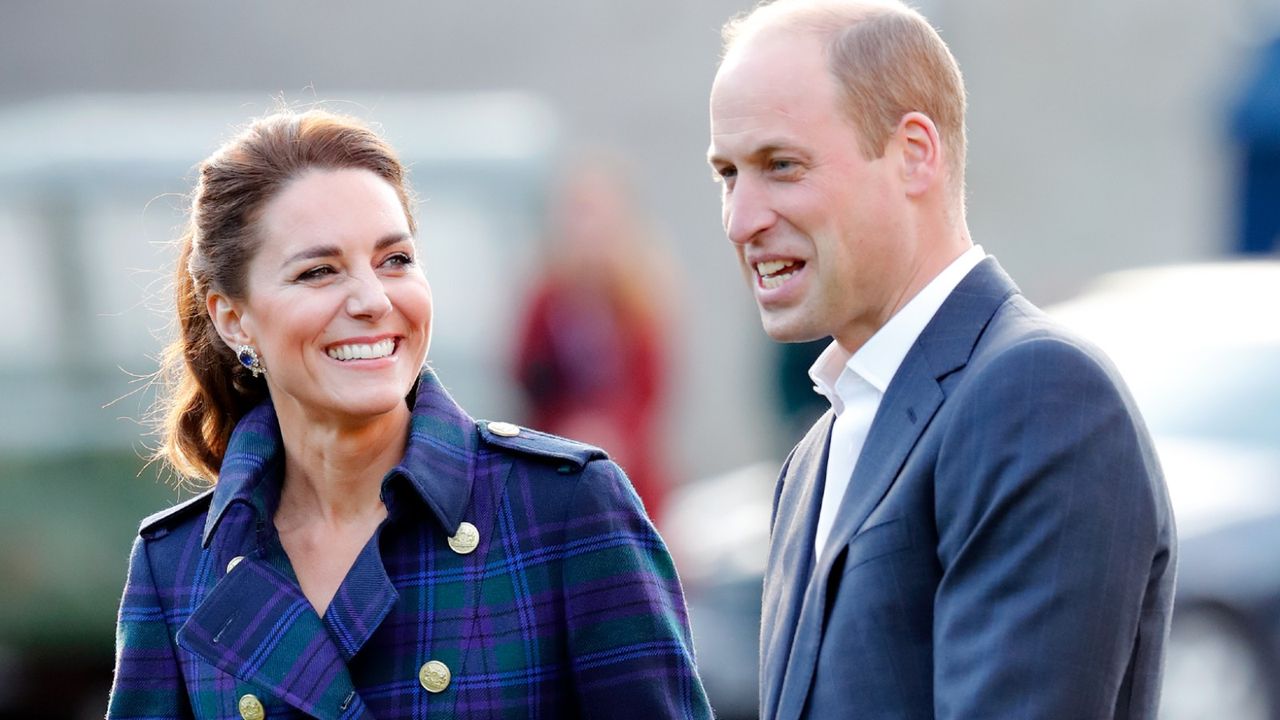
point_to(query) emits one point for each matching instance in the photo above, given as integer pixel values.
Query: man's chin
(782, 331)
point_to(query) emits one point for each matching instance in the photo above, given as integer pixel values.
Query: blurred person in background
(1255, 124)
(592, 347)
(979, 527)
(368, 549)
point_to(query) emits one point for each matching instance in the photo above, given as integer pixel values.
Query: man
(979, 528)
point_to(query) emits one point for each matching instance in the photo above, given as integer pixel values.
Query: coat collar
(255, 623)
(437, 462)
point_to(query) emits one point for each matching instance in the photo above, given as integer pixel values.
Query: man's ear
(228, 320)
(921, 152)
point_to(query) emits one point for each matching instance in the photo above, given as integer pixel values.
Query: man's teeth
(770, 267)
(770, 275)
(379, 349)
(774, 281)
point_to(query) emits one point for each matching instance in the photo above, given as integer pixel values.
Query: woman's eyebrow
(322, 251)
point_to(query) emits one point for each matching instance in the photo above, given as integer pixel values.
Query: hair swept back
(203, 390)
(887, 61)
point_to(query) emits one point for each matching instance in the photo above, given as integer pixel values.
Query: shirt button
(234, 562)
(505, 429)
(251, 707)
(466, 539)
(434, 676)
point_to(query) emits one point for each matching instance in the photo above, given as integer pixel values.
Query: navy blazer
(1005, 548)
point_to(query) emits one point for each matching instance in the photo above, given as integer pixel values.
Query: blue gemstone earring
(248, 357)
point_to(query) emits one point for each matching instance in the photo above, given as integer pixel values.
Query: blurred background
(558, 152)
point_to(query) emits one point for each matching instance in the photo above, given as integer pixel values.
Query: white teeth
(774, 281)
(770, 267)
(379, 349)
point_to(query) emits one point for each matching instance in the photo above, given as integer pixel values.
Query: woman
(368, 549)
(591, 351)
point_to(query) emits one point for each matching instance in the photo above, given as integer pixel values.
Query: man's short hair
(887, 59)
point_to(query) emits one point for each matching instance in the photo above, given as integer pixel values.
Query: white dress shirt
(855, 384)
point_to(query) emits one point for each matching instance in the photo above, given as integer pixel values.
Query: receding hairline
(885, 56)
(821, 19)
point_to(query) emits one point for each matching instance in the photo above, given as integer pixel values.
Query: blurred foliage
(66, 526)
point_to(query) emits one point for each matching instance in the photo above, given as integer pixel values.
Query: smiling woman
(368, 549)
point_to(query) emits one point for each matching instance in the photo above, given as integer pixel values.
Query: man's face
(819, 229)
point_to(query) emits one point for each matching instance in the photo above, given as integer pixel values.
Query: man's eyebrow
(765, 150)
(322, 251)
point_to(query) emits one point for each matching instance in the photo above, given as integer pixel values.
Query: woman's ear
(227, 318)
(921, 152)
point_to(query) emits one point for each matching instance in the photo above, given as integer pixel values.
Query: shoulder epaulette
(539, 444)
(155, 525)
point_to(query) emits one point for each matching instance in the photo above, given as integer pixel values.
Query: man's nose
(368, 297)
(747, 211)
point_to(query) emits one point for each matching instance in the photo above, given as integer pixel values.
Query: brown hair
(204, 389)
(887, 60)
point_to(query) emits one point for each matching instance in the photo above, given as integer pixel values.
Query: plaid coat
(568, 607)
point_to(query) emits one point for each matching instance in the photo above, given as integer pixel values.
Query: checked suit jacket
(569, 607)
(1005, 548)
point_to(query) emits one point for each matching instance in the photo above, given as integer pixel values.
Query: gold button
(251, 707)
(466, 539)
(434, 676)
(234, 562)
(505, 429)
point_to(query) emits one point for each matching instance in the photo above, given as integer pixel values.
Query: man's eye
(724, 173)
(782, 165)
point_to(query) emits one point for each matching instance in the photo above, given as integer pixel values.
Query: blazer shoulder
(162, 523)
(570, 455)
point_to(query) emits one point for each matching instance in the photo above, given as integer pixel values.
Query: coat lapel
(258, 626)
(790, 557)
(913, 397)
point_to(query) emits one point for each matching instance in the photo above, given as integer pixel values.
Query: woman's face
(336, 303)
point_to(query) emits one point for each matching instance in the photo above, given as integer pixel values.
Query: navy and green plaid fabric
(569, 607)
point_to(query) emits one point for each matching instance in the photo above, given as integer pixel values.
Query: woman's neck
(333, 470)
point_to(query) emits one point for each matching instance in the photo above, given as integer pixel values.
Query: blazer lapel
(791, 557)
(912, 400)
(257, 626)
(913, 397)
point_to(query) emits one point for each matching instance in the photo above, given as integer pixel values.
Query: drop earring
(248, 357)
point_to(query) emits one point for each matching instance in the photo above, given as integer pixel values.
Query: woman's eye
(399, 259)
(316, 273)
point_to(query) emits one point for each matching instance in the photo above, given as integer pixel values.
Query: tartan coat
(569, 606)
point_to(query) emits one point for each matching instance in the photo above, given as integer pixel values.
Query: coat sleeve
(148, 680)
(631, 655)
(1055, 540)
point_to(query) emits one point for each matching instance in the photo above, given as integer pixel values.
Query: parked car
(1199, 346)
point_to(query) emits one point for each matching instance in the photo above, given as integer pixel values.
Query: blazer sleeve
(631, 654)
(148, 680)
(1055, 541)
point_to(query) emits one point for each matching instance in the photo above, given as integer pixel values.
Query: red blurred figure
(591, 354)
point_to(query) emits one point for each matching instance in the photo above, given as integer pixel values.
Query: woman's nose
(368, 297)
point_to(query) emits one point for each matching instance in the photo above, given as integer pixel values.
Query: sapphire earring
(248, 357)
